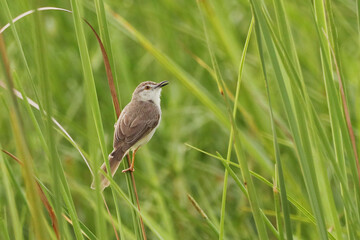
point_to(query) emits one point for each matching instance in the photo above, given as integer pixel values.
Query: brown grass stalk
(346, 109)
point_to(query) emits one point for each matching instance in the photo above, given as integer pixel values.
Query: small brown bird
(135, 127)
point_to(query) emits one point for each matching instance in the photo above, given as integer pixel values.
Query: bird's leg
(131, 168)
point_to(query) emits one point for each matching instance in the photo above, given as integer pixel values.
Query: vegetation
(259, 133)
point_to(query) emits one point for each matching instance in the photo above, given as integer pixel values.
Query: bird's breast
(144, 140)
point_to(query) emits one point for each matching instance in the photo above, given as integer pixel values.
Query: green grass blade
(304, 156)
(230, 144)
(279, 171)
(285, 33)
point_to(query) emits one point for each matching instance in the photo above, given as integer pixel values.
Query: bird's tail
(115, 158)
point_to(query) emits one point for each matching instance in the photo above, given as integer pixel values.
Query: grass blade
(203, 214)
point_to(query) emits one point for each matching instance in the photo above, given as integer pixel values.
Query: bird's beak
(162, 84)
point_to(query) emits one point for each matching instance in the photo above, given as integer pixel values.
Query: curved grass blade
(106, 50)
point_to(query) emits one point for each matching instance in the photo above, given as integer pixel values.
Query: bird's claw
(131, 169)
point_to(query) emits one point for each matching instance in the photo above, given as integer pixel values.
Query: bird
(135, 126)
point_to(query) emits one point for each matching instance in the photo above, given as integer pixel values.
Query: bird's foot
(131, 169)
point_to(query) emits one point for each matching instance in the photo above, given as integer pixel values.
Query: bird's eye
(147, 87)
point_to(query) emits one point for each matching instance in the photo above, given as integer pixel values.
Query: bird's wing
(135, 123)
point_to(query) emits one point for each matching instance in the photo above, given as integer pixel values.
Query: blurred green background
(174, 41)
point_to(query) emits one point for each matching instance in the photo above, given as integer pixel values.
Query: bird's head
(149, 91)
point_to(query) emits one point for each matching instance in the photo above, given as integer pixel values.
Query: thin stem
(111, 219)
(137, 198)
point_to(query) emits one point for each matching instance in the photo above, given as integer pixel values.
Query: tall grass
(262, 146)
